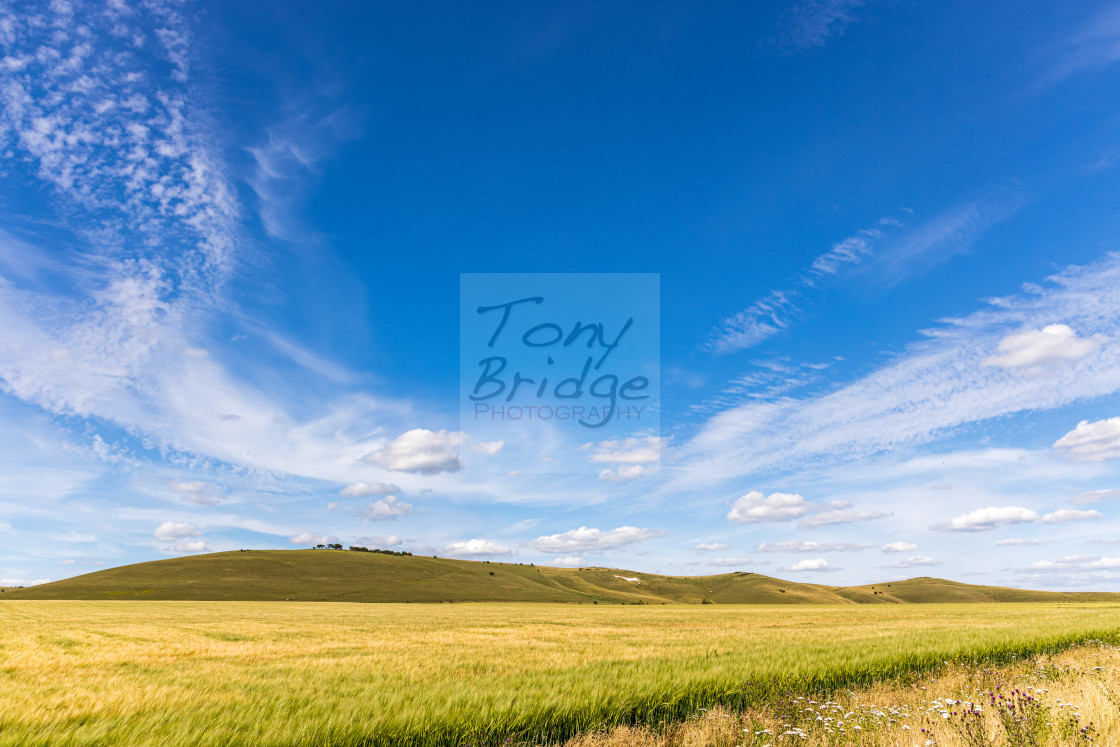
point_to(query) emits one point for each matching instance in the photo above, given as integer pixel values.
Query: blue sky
(231, 241)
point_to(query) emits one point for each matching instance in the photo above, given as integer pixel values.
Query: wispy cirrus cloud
(808, 25)
(118, 326)
(1095, 46)
(779, 309)
(936, 384)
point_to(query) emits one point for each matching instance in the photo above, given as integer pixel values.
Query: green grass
(344, 576)
(250, 673)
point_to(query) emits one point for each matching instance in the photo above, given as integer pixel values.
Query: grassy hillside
(344, 576)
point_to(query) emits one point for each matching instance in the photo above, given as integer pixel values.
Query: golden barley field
(1062, 700)
(253, 673)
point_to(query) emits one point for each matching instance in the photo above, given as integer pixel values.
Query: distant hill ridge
(345, 576)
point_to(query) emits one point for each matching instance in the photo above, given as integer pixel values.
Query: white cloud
(23, 581)
(1098, 441)
(360, 489)
(191, 547)
(1093, 496)
(392, 540)
(917, 560)
(799, 546)
(170, 530)
(778, 310)
(634, 451)
(817, 564)
(711, 546)
(421, 451)
(1076, 563)
(763, 319)
(934, 385)
(1012, 542)
(1069, 514)
(811, 24)
(755, 507)
(476, 547)
(386, 508)
(899, 547)
(490, 448)
(1034, 349)
(847, 516)
(625, 473)
(307, 538)
(585, 540)
(1096, 46)
(196, 491)
(569, 561)
(984, 519)
(732, 562)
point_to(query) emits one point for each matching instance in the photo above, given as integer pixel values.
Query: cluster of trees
(359, 548)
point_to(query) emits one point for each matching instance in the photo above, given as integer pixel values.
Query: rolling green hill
(344, 576)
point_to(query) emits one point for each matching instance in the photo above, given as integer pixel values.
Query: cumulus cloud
(23, 581)
(489, 448)
(711, 546)
(1076, 563)
(1037, 348)
(899, 547)
(756, 507)
(1093, 496)
(569, 561)
(585, 540)
(360, 489)
(1069, 514)
(635, 450)
(816, 564)
(169, 531)
(984, 519)
(916, 560)
(1011, 542)
(421, 451)
(386, 508)
(307, 538)
(798, 546)
(625, 473)
(1098, 441)
(847, 516)
(195, 491)
(476, 547)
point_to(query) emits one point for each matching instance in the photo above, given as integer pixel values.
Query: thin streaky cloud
(935, 385)
(1095, 46)
(781, 308)
(811, 24)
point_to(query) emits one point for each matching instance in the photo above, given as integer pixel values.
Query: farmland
(154, 672)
